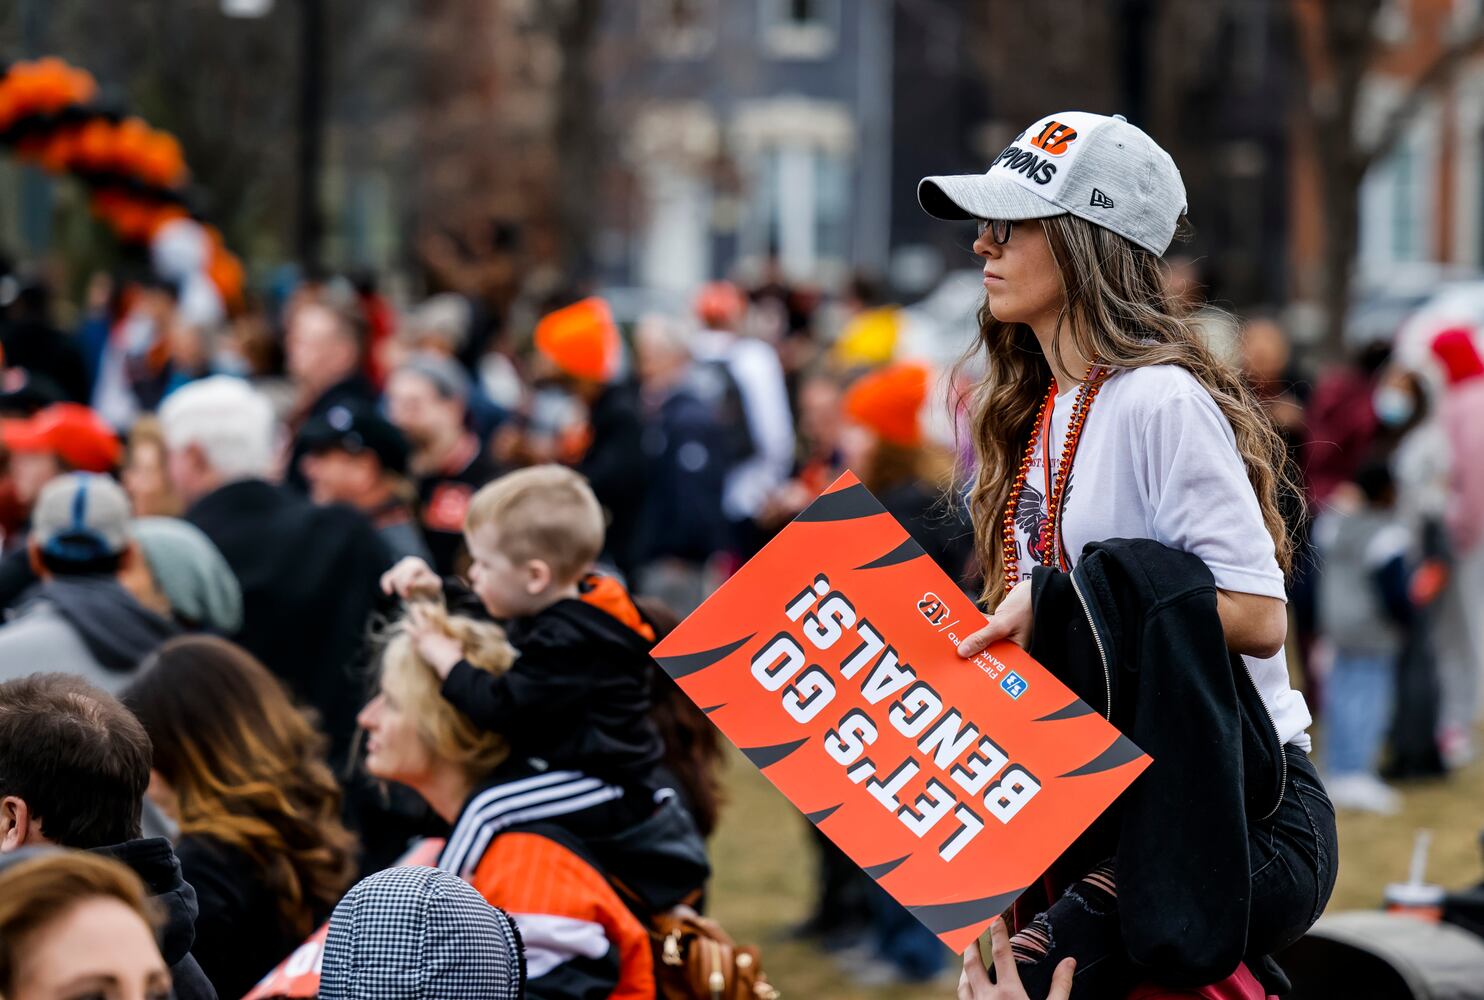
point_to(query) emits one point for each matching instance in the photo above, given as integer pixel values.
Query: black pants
(1293, 859)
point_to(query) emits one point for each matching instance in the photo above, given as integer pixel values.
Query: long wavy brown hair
(1115, 310)
(248, 768)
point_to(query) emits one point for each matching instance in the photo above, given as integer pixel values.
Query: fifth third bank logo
(1014, 685)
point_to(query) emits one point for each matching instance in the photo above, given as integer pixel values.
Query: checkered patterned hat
(420, 932)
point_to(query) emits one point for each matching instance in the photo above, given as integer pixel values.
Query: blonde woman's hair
(415, 685)
(1116, 311)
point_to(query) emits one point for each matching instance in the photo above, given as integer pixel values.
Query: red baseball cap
(1459, 356)
(70, 431)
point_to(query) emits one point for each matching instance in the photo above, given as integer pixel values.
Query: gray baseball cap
(447, 375)
(80, 517)
(1098, 168)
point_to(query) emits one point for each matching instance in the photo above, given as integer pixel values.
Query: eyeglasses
(999, 230)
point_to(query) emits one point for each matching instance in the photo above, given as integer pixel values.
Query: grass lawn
(763, 871)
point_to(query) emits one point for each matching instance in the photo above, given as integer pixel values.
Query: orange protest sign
(298, 975)
(831, 661)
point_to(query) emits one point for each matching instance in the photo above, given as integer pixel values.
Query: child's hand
(411, 578)
(974, 983)
(437, 648)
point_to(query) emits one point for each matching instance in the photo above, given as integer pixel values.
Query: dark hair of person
(248, 769)
(1372, 357)
(692, 746)
(77, 758)
(1375, 481)
(97, 566)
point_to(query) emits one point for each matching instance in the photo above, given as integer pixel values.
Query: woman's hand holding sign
(974, 984)
(1011, 620)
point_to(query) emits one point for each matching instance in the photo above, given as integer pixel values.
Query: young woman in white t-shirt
(1102, 414)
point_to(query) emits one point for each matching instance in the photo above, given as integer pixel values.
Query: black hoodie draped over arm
(1135, 623)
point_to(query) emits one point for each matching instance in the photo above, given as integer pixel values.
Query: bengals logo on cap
(1055, 138)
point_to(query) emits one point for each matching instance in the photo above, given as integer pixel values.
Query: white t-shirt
(1157, 459)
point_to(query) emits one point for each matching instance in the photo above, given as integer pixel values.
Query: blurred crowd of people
(203, 530)
(1388, 603)
(200, 520)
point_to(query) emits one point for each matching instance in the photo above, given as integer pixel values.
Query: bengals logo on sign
(933, 608)
(1055, 138)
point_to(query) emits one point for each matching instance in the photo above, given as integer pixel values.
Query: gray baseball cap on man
(1098, 168)
(80, 517)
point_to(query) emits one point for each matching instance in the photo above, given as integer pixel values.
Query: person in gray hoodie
(80, 619)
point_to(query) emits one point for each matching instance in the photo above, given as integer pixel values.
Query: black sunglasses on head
(999, 229)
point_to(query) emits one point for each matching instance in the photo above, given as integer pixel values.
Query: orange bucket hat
(888, 401)
(581, 340)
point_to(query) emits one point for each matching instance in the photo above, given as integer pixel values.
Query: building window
(800, 211)
(1468, 17)
(1403, 220)
(1479, 205)
(679, 29)
(800, 29)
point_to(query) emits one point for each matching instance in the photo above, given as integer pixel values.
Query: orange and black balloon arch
(136, 175)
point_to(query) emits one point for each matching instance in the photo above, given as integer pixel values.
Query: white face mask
(1393, 406)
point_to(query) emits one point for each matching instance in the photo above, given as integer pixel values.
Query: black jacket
(578, 696)
(309, 578)
(156, 865)
(685, 470)
(942, 530)
(240, 934)
(614, 466)
(44, 350)
(1134, 626)
(16, 576)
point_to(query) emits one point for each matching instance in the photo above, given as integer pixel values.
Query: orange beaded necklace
(1050, 540)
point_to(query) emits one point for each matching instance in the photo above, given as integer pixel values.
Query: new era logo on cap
(1094, 166)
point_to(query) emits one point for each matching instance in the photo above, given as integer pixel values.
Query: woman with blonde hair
(1102, 416)
(146, 476)
(73, 925)
(243, 773)
(579, 937)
